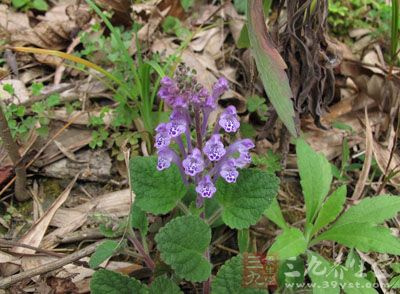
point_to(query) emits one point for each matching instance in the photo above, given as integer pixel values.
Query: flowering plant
(204, 159)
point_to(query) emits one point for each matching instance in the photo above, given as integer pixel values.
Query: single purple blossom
(243, 160)
(163, 138)
(220, 87)
(214, 148)
(206, 188)
(165, 157)
(228, 171)
(178, 123)
(241, 146)
(229, 120)
(194, 163)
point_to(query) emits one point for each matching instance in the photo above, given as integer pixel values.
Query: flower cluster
(200, 160)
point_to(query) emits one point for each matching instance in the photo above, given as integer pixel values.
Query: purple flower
(168, 91)
(177, 125)
(220, 87)
(165, 157)
(228, 171)
(229, 120)
(243, 160)
(214, 148)
(163, 138)
(206, 188)
(194, 163)
(242, 146)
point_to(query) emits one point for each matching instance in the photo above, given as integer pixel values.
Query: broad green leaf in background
(290, 243)
(274, 214)
(182, 243)
(245, 201)
(366, 237)
(330, 209)
(290, 272)
(229, 279)
(139, 219)
(104, 251)
(394, 283)
(315, 177)
(156, 191)
(109, 282)
(270, 65)
(322, 273)
(164, 285)
(374, 210)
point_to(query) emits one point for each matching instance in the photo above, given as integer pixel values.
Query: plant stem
(12, 149)
(138, 246)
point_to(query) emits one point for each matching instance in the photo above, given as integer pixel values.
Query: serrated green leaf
(53, 100)
(330, 209)
(254, 102)
(322, 274)
(139, 219)
(109, 282)
(291, 272)
(270, 66)
(289, 244)
(354, 262)
(104, 251)
(164, 285)
(156, 191)
(364, 236)
(245, 201)
(229, 279)
(274, 214)
(316, 177)
(182, 244)
(374, 210)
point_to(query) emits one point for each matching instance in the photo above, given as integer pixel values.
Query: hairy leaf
(104, 251)
(245, 201)
(156, 191)
(164, 285)
(109, 282)
(182, 244)
(229, 279)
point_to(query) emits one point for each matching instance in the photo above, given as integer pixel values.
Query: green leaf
(316, 177)
(182, 244)
(37, 88)
(254, 102)
(274, 214)
(156, 191)
(243, 41)
(291, 271)
(186, 4)
(9, 89)
(290, 243)
(109, 282)
(243, 237)
(240, 6)
(395, 283)
(229, 279)
(364, 236)
(270, 66)
(322, 273)
(40, 5)
(354, 262)
(164, 285)
(19, 3)
(396, 267)
(104, 251)
(53, 100)
(374, 210)
(139, 220)
(245, 201)
(330, 209)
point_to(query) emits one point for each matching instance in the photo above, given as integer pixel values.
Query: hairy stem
(12, 149)
(138, 246)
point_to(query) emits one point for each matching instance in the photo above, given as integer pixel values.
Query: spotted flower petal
(162, 139)
(228, 171)
(165, 157)
(193, 163)
(206, 188)
(229, 120)
(214, 148)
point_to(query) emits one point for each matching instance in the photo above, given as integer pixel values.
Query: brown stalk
(12, 148)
